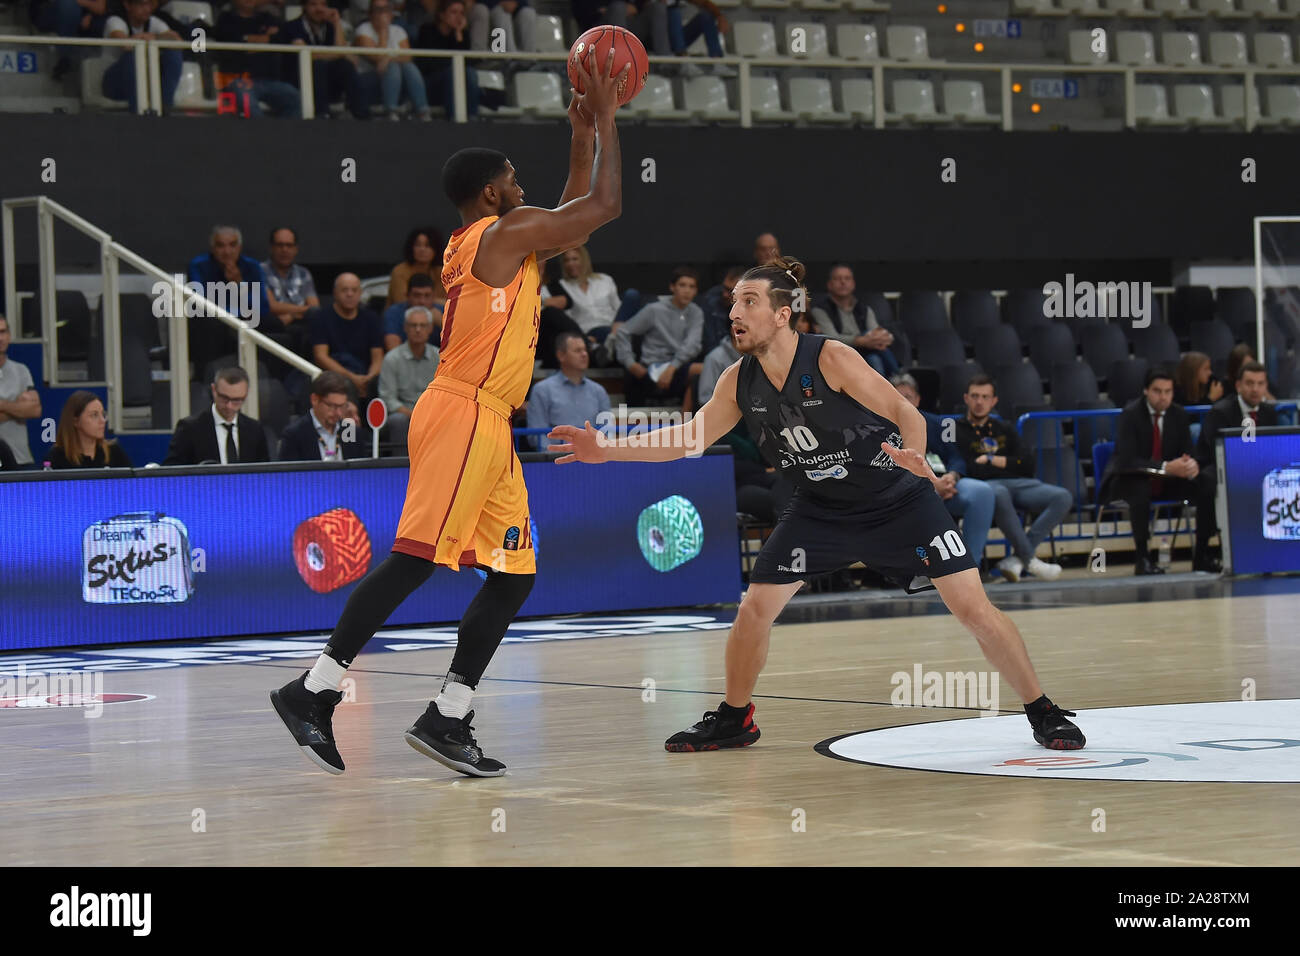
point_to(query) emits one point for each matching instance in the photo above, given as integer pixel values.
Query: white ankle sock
(326, 674)
(453, 700)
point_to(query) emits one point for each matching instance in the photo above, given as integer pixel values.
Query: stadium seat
(1039, 7)
(706, 96)
(1019, 386)
(187, 11)
(858, 98)
(1228, 49)
(189, 92)
(539, 93)
(1081, 50)
(490, 79)
(1135, 48)
(1263, 8)
(1124, 380)
(1084, 7)
(938, 348)
(1103, 345)
(549, 35)
(810, 98)
(656, 100)
(92, 78)
(972, 313)
(815, 42)
(1177, 8)
(1180, 49)
(765, 98)
(1152, 103)
(292, 12)
(770, 4)
(906, 43)
(1216, 340)
(1194, 103)
(871, 5)
(963, 100)
(952, 385)
(1234, 103)
(1051, 344)
(1282, 105)
(827, 5)
(1126, 8)
(1157, 344)
(1272, 49)
(997, 345)
(857, 41)
(754, 38)
(922, 312)
(1023, 309)
(1189, 304)
(914, 100)
(1235, 305)
(1217, 8)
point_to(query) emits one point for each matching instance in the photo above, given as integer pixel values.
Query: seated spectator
(672, 331)
(1246, 403)
(568, 397)
(991, 451)
(1240, 354)
(716, 305)
(766, 248)
(647, 19)
(970, 499)
(840, 315)
(398, 75)
(139, 23)
(1154, 434)
(708, 22)
(7, 459)
(334, 75)
(19, 400)
(448, 30)
(321, 434)
(591, 298)
(210, 338)
(407, 371)
(516, 20)
(348, 338)
(69, 18)
(1195, 382)
(221, 432)
(252, 77)
(291, 290)
(802, 323)
(419, 293)
(79, 442)
(421, 253)
(721, 357)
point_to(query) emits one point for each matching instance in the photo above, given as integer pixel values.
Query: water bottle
(1166, 554)
(45, 466)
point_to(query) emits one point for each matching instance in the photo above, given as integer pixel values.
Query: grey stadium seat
(998, 345)
(972, 312)
(1051, 344)
(1103, 345)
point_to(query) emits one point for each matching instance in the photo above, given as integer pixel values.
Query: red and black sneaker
(1053, 731)
(719, 729)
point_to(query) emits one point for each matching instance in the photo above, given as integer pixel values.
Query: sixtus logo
(1103, 300)
(138, 558)
(243, 300)
(1282, 503)
(75, 908)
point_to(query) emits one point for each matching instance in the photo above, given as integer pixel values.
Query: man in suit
(221, 432)
(1246, 408)
(1154, 435)
(323, 433)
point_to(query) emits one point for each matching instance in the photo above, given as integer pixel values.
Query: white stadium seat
(1234, 104)
(1282, 105)
(1126, 8)
(770, 4)
(1193, 102)
(1151, 103)
(754, 38)
(906, 43)
(1081, 50)
(706, 96)
(549, 35)
(1266, 8)
(187, 11)
(495, 80)
(872, 5)
(815, 44)
(92, 76)
(858, 98)
(1178, 8)
(189, 92)
(1272, 49)
(914, 100)
(292, 12)
(765, 98)
(1040, 7)
(857, 41)
(1217, 8)
(537, 92)
(963, 100)
(810, 98)
(1228, 49)
(1085, 7)
(656, 99)
(1180, 49)
(821, 4)
(1135, 48)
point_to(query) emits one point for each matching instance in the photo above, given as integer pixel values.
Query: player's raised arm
(718, 416)
(548, 231)
(845, 370)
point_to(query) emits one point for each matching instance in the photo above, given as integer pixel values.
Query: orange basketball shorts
(466, 503)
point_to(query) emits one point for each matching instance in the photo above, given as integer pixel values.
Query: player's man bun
(784, 276)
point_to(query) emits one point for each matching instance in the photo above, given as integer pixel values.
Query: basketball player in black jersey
(855, 451)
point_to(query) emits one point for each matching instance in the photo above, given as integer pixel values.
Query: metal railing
(111, 254)
(744, 113)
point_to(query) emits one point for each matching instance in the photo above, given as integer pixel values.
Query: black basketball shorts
(913, 538)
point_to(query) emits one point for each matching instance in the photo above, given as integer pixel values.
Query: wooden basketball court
(205, 774)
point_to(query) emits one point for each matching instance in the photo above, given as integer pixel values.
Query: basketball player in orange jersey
(855, 451)
(466, 504)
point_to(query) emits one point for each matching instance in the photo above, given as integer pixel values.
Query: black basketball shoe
(718, 730)
(309, 718)
(1054, 732)
(450, 741)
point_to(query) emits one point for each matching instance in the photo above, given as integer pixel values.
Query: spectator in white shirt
(592, 297)
(19, 400)
(396, 73)
(118, 82)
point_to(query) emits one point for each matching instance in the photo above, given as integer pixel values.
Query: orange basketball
(627, 49)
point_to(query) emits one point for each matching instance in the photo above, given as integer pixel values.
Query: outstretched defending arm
(718, 416)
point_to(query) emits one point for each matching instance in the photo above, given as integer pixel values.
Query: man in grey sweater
(673, 329)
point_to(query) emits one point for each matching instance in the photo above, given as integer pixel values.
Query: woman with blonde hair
(590, 298)
(79, 442)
